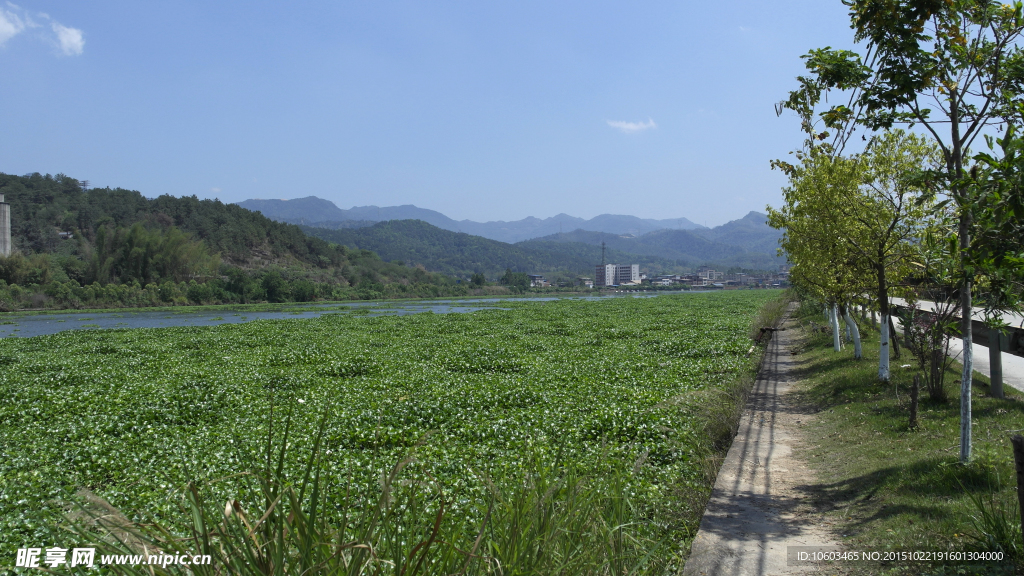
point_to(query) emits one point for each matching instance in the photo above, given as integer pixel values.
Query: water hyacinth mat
(477, 399)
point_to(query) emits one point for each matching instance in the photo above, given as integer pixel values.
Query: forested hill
(43, 206)
(66, 237)
(461, 254)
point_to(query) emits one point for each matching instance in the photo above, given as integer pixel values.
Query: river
(15, 324)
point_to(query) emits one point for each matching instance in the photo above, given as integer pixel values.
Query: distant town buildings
(709, 279)
(708, 274)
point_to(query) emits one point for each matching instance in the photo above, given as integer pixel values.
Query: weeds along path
(761, 503)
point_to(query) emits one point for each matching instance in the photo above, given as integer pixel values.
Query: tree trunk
(1017, 441)
(883, 307)
(851, 327)
(966, 312)
(936, 387)
(894, 339)
(834, 317)
(955, 167)
(883, 352)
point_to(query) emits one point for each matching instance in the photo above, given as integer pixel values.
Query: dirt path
(761, 503)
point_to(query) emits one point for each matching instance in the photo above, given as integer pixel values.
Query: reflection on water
(12, 324)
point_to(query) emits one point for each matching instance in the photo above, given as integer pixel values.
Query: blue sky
(481, 110)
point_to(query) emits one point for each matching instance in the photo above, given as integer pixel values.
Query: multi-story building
(616, 274)
(627, 274)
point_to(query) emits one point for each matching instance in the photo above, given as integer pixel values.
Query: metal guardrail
(1011, 340)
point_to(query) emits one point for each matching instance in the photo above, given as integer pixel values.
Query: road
(1013, 366)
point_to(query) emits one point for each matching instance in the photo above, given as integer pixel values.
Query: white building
(616, 274)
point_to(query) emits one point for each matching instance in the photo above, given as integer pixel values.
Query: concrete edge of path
(759, 504)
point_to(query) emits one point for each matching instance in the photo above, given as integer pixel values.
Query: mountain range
(460, 254)
(313, 211)
(419, 236)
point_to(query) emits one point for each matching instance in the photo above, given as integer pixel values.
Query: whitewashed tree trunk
(967, 375)
(883, 352)
(851, 326)
(834, 317)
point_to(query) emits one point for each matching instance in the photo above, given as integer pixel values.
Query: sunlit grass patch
(891, 486)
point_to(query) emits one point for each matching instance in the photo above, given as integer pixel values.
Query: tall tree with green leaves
(887, 214)
(953, 67)
(816, 231)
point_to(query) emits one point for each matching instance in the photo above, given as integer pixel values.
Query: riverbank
(43, 323)
(885, 485)
(826, 456)
(186, 308)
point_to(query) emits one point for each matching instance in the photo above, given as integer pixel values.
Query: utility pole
(602, 253)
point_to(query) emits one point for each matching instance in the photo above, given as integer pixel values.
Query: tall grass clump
(770, 315)
(549, 521)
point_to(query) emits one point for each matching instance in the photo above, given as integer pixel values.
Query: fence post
(914, 393)
(1018, 458)
(995, 360)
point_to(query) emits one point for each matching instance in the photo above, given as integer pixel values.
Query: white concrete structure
(615, 274)
(5, 227)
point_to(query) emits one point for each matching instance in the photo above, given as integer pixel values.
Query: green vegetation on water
(633, 396)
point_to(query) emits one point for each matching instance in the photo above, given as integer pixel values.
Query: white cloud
(70, 39)
(630, 127)
(214, 190)
(10, 25)
(14, 20)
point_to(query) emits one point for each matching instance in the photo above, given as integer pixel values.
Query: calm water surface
(14, 324)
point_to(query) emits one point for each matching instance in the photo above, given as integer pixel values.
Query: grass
(548, 522)
(892, 487)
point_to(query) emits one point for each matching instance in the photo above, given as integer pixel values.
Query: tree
(817, 230)
(953, 67)
(148, 255)
(517, 280)
(887, 214)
